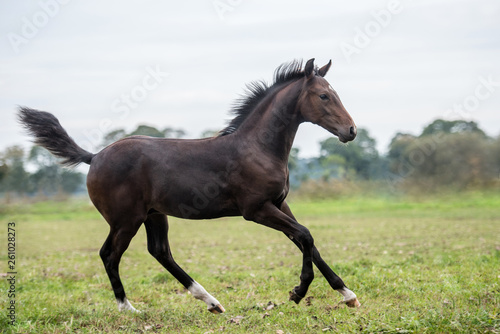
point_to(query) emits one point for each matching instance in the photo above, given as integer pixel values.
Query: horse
(241, 171)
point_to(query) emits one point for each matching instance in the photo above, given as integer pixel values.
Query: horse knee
(305, 238)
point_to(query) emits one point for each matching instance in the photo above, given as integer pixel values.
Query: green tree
(456, 161)
(71, 181)
(146, 130)
(4, 169)
(173, 133)
(397, 148)
(142, 130)
(449, 127)
(495, 156)
(209, 133)
(15, 177)
(361, 156)
(50, 178)
(293, 159)
(41, 157)
(333, 166)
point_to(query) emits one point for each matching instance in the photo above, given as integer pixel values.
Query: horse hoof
(295, 297)
(353, 303)
(217, 309)
(125, 306)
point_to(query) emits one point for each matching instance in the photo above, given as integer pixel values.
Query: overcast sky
(102, 65)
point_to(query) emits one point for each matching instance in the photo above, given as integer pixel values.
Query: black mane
(258, 90)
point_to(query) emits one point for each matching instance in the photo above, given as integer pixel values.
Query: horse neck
(273, 124)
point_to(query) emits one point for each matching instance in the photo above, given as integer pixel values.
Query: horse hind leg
(157, 234)
(111, 252)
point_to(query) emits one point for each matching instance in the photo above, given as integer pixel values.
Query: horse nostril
(352, 131)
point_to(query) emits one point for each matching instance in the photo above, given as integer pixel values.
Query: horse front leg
(333, 279)
(269, 215)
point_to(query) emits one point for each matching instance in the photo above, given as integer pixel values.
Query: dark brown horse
(241, 172)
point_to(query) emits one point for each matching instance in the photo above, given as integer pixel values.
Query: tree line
(452, 154)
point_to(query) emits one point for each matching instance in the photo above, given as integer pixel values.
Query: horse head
(320, 104)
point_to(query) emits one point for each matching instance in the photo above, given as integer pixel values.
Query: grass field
(417, 266)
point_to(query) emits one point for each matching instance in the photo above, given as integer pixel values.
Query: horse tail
(49, 133)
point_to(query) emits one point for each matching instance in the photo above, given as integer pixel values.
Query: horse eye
(324, 97)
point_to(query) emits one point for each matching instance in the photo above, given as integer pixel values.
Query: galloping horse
(243, 172)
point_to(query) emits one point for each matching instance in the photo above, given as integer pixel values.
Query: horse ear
(309, 69)
(322, 71)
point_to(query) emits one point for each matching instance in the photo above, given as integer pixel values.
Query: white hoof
(126, 306)
(353, 303)
(350, 298)
(200, 293)
(217, 309)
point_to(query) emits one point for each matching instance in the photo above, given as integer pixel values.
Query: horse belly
(194, 195)
(197, 204)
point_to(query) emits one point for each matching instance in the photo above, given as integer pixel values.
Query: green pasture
(417, 265)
